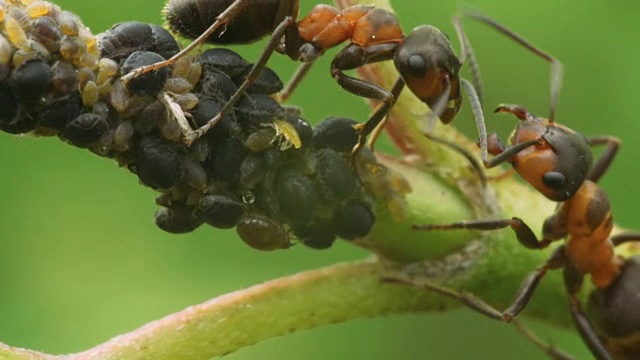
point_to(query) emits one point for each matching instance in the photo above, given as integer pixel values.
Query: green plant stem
(225, 324)
(13, 353)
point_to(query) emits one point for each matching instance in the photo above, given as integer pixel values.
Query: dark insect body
(58, 79)
(424, 59)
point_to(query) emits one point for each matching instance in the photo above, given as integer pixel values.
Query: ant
(424, 59)
(585, 220)
(557, 161)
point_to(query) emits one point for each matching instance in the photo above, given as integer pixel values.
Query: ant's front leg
(354, 56)
(523, 232)
(554, 229)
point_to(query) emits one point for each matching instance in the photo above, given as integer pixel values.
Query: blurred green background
(81, 260)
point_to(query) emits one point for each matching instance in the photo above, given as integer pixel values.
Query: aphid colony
(261, 169)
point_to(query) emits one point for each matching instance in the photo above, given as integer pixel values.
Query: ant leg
(354, 56)
(600, 167)
(522, 297)
(466, 299)
(548, 348)
(251, 77)
(464, 152)
(466, 52)
(622, 238)
(573, 282)
(436, 110)
(225, 17)
(375, 133)
(295, 80)
(523, 232)
(288, 9)
(556, 66)
(374, 92)
(476, 304)
(528, 286)
(586, 331)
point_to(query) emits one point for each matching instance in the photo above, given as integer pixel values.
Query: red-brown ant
(557, 162)
(585, 220)
(424, 59)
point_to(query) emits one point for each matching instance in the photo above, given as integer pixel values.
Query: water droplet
(248, 198)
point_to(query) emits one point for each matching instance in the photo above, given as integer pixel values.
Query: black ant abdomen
(191, 18)
(615, 312)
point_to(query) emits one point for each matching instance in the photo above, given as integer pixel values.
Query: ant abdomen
(615, 312)
(190, 18)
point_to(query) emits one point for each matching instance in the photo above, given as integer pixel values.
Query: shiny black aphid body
(126, 38)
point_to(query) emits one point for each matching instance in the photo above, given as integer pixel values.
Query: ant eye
(417, 65)
(554, 180)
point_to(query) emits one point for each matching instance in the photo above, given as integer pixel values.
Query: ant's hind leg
(573, 280)
(526, 290)
(548, 348)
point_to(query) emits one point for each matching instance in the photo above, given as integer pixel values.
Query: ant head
(615, 311)
(426, 62)
(558, 163)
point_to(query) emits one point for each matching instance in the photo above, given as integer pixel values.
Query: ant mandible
(424, 59)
